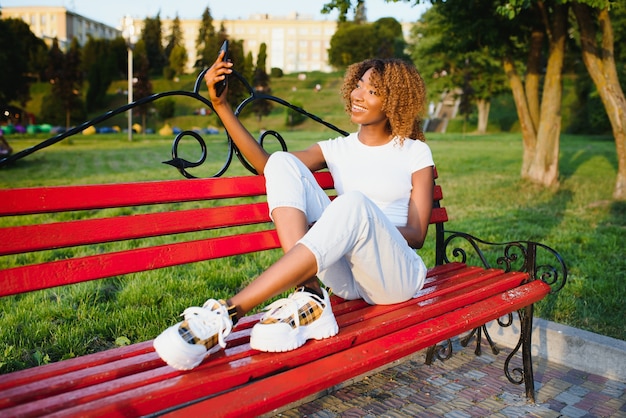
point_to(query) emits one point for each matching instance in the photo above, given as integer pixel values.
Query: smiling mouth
(358, 109)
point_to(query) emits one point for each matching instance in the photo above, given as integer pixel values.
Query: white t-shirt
(382, 173)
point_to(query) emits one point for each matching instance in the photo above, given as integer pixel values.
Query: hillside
(326, 104)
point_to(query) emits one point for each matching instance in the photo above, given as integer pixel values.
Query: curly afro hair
(401, 88)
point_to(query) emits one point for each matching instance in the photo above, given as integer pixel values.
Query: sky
(111, 12)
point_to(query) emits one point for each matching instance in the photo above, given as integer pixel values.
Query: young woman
(362, 245)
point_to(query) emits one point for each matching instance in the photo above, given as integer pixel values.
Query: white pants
(359, 252)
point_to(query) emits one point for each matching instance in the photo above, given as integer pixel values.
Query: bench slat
(27, 238)
(278, 390)
(375, 321)
(98, 196)
(382, 339)
(438, 277)
(75, 270)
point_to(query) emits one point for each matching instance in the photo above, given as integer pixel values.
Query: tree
(119, 51)
(353, 42)
(174, 38)
(175, 52)
(261, 83)
(152, 38)
(535, 27)
(597, 41)
(99, 64)
(206, 43)
(389, 38)
(178, 60)
(143, 86)
(248, 67)
(449, 62)
(65, 75)
(19, 60)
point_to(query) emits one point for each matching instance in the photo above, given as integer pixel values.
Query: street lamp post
(128, 31)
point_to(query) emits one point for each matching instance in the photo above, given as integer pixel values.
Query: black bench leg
(526, 374)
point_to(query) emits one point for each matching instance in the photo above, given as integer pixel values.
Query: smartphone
(221, 85)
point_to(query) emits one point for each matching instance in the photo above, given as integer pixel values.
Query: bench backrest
(220, 207)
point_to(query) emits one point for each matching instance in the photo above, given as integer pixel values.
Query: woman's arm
(250, 148)
(420, 207)
(247, 144)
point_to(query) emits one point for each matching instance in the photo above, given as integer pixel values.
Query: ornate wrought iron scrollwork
(516, 375)
(254, 95)
(522, 256)
(538, 260)
(441, 352)
(177, 160)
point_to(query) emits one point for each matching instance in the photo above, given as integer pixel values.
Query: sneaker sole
(176, 352)
(276, 342)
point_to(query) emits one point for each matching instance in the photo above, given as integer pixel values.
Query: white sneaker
(290, 322)
(184, 345)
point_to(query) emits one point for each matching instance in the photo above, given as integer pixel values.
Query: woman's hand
(218, 72)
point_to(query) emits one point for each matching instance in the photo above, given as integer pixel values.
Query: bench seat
(64, 235)
(133, 380)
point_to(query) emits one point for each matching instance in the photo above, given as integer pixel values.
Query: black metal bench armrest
(540, 261)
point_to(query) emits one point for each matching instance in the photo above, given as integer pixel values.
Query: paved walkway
(469, 386)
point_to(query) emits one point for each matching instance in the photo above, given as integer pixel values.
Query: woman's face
(366, 103)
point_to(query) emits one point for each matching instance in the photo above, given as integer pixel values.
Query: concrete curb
(572, 347)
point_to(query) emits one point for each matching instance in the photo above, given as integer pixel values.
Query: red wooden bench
(132, 380)
(238, 381)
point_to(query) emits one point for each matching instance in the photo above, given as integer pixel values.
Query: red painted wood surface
(142, 384)
(76, 270)
(132, 380)
(98, 196)
(39, 237)
(171, 222)
(281, 389)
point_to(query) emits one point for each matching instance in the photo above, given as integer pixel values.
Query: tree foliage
(531, 38)
(353, 42)
(206, 42)
(261, 83)
(451, 63)
(142, 87)
(99, 64)
(20, 61)
(175, 52)
(65, 74)
(152, 38)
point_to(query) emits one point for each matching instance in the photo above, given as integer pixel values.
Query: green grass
(483, 193)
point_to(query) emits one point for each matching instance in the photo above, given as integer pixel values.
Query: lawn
(483, 193)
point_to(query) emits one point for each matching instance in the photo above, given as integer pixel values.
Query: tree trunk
(600, 63)
(483, 106)
(541, 121)
(529, 133)
(545, 165)
(533, 74)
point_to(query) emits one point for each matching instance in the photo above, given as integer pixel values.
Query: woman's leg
(360, 254)
(294, 197)
(295, 201)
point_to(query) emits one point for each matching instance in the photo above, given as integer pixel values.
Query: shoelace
(211, 318)
(289, 306)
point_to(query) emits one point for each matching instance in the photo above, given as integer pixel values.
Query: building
(51, 22)
(295, 42)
